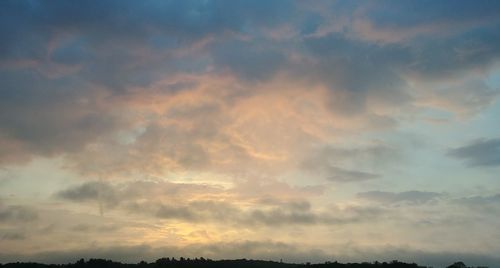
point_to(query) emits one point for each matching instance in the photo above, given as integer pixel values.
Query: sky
(296, 130)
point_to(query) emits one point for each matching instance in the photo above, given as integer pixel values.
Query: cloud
(99, 192)
(479, 153)
(17, 213)
(489, 205)
(286, 214)
(384, 21)
(409, 197)
(248, 61)
(49, 117)
(193, 203)
(348, 164)
(375, 77)
(76, 62)
(76, 82)
(259, 98)
(464, 98)
(88, 228)
(13, 236)
(343, 175)
(128, 194)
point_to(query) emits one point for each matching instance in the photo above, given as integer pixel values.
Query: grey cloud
(48, 117)
(248, 61)
(158, 26)
(270, 216)
(469, 98)
(330, 161)
(73, 51)
(200, 211)
(284, 216)
(429, 11)
(357, 72)
(380, 154)
(17, 213)
(172, 212)
(13, 236)
(87, 228)
(483, 205)
(360, 72)
(300, 205)
(428, 18)
(409, 197)
(344, 175)
(472, 50)
(226, 213)
(60, 63)
(482, 200)
(91, 191)
(479, 153)
(130, 196)
(168, 201)
(116, 193)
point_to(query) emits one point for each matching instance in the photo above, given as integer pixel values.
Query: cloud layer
(275, 128)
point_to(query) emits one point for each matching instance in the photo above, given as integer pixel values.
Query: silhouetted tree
(458, 265)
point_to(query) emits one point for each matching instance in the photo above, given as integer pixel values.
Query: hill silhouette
(208, 263)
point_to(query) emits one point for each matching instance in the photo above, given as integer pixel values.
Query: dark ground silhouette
(207, 263)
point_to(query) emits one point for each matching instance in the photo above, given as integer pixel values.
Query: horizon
(278, 129)
(200, 261)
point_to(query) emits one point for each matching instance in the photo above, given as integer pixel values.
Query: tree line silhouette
(208, 263)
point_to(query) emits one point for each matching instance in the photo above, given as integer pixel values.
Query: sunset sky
(296, 130)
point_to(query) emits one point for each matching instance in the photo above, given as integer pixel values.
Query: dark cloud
(409, 197)
(479, 153)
